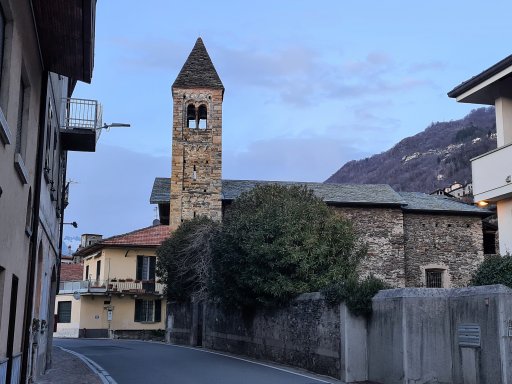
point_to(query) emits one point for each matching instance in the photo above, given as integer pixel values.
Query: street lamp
(114, 125)
(74, 224)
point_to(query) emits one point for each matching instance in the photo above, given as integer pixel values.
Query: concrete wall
(412, 337)
(409, 336)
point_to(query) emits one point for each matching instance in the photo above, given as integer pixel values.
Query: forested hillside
(434, 158)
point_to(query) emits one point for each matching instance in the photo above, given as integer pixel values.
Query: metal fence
(82, 114)
(116, 285)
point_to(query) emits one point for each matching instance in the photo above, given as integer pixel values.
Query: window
(21, 133)
(146, 267)
(2, 278)
(98, 268)
(64, 312)
(196, 118)
(434, 278)
(48, 160)
(191, 116)
(2, 39)
(201, 116)
(86, 272)
(28, 219)
(148, 311)
(21, 137)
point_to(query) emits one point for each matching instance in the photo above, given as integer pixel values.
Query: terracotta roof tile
(71, 272)
(146, 237)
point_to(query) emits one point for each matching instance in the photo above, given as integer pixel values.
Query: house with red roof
(114, 292)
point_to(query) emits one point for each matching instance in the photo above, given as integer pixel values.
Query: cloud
(150, 54)
(111, 189)
(293, 74)
(427, 66)
(290, 159)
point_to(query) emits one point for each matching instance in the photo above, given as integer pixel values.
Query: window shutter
(158, 311)
(152, 263)
(138, 310)
(140, 261)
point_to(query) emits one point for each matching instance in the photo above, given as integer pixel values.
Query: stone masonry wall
(454, 243)
(305, 334)
(382, 229)
(196, 157)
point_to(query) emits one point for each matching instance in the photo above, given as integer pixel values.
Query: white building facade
(492, 171)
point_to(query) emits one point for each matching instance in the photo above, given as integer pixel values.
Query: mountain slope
(429, 160)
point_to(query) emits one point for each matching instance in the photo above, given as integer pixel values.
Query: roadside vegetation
(275, 242)
(494, 269)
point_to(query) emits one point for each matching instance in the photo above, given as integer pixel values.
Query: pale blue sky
(309, 85)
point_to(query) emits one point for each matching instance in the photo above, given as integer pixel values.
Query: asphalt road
(135, 362)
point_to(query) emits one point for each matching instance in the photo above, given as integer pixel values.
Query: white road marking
(249, 361)
(95, 367)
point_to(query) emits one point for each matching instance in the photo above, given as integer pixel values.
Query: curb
(95, 367)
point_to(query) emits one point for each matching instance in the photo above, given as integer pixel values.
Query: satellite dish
(76, 295)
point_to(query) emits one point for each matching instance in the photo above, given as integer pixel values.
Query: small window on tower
(191, 116)
(434, 278)
(202, 114)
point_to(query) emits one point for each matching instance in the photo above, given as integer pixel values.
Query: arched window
(191, 116)
(197, 118)
(202, 116)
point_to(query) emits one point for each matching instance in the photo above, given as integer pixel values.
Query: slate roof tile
(198, 71)
(348, 194)
(417, 201)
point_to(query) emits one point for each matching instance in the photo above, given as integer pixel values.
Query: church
(414, 239)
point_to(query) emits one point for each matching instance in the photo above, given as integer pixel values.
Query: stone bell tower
(196, 140)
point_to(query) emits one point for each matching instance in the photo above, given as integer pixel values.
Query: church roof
(341, 194)
(357, 194)
(418, 201)
(198, 71)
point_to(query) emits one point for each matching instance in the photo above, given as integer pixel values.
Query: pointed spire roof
(198, 71)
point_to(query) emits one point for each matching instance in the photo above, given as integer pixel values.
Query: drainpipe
(29, 297)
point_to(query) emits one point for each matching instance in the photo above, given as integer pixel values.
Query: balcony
(82, 124)
(115, 286)
(492, 174)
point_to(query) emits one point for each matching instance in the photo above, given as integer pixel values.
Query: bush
(494, 270)
(277, 242)
(357, 295)
(184, 259)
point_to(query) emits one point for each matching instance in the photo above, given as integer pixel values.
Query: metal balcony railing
(116, 286)
(81, 125)
(82, 114)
